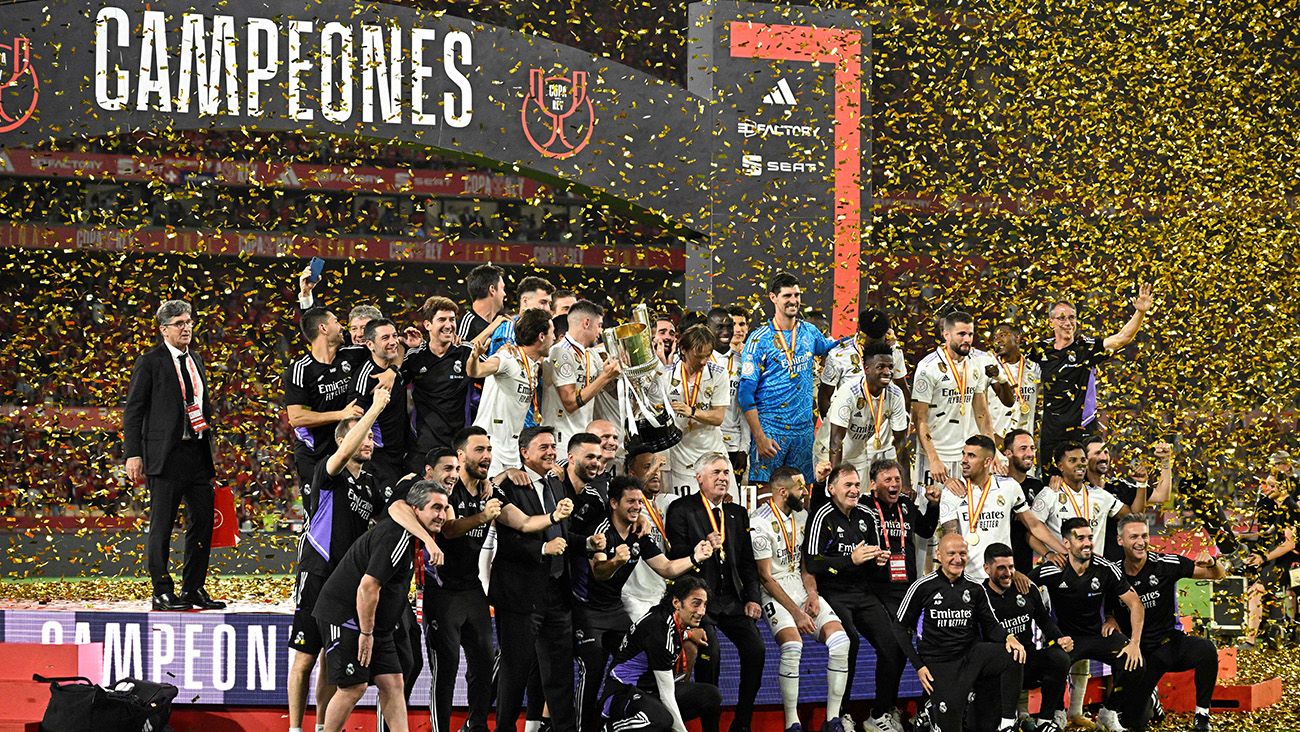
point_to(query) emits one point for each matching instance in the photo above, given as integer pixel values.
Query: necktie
(552, 531)
(185, 379)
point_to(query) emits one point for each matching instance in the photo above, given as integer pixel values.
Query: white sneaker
(886, 723)
(847, 721)
(1109, 721)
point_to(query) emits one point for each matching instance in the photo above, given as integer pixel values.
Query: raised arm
(1125, 335)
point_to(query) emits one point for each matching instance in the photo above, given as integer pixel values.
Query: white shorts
(778, 618)
(921, 471)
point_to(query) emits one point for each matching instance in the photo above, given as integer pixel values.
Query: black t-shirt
(393, 428)
(655, 644)
(829, 538)
(1065, 378)
(320, 387)
(1018, 612)
(439, 391)
(339, 512)
(470, 326)
(1157, 587)
(606, 596)
(954, 615)
(384, 553)
(894, 539)
(1077, 601)
(1126, 491)
(1020, 549)
(459, 570)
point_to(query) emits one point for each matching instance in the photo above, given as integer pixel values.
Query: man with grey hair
(168, 434)
(731, 574)
(361, 605)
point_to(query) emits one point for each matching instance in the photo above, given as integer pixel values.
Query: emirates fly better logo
(557, 115)
(19, 86)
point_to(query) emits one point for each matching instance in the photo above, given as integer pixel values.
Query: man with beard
(317, 394)
(1068, 360)
(868, 414)
(790, 599)
(1132, 493)
(730, 574)
(961, 643)
(1019, 612)
(948, 403)
(1018, 447)
(1025, 377)
(392, 429)
(436, 370)
(340, 509)
(600, 618)
(644, 587)
(664, 339)
(776, 385)
(1076, 498)
(534, 293)
(982, 506)
(574, 373)
(1080, 590)
(512, 390)
(1165, 647)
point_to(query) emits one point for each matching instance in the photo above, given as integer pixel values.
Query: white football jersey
(853, 408)
(697, 438)
(951, 417)
(1030, 377)
(1005, 499)
(507, 397)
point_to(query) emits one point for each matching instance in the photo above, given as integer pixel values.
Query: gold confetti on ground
(269, 589)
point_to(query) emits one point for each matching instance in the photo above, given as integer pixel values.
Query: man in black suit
(167, 425)
(531, 586)
(731, 574)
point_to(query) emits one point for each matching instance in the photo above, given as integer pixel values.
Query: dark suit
(177, 464)
(732, 583)
(532, 597)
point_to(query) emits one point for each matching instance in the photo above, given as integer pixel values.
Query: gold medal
(877, 444)
(1062, 498)
(973, 540)
(1024, 407)
(793, 375)
(962, 409)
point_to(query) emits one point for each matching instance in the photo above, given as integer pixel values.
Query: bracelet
(694, 561)
(362, 632)
(551, 517)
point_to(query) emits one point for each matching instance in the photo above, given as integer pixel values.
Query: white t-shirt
(697, 438)
(569, 365)
(853, 408)
(507, 397)
(644, 585)
(1052, 507)
(844, 362)
(735, 430)
(1005, 419)
(951, 417)
(765, 531)
(997, 511)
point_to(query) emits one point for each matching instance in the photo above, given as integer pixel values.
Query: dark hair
(461, 439)
(997, 550)
(1070, 524)
(1009, 326)
(839, 470)
(682, 587)
(432, 457)
(312, 319)
(1068, 446)
(783, 474)
(530, 433)
(740, 311)
(582, 438)
(883, 465)
(982, 441)
(876, 348)
(585, 309)
(481, 279)
(1010, 439)
(718, 312)
(1090, 439)
(344, 425)
(532, 324)
(1058, 303)
(634, 452)
(874, 323)
(375, 325)
(532, 284)
(694, 337)
(562, 292)
(620, 484)
(780, 281)
(691, 319)
(437, 304)
(955, 317)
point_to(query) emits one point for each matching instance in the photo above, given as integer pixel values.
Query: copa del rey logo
(557, 115)
(19, 86)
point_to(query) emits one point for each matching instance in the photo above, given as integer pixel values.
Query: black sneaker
(1201, 723)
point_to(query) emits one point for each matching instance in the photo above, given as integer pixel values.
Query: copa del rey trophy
(642, 400)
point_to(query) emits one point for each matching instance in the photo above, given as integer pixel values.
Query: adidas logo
(780, 94)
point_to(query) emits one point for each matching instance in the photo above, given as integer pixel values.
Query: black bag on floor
(79, 705)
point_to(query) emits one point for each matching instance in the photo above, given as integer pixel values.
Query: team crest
(965, 595)
(557, 115)
(457, 366)
(1153, 581)
(862, 526)
(347, 367)
(943, 367)
(301, 637)
(1096, 583)
(1020, 600)
(1002, 501)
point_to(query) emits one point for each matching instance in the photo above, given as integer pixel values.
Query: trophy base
(656, 439)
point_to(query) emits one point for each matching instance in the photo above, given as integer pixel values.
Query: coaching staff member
(731, 575)
(167, 426)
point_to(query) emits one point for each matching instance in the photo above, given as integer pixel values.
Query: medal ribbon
(1018, 379)
(791, 537)
(958, 379)
(979, 510)
(681, 645)
(532, 384)
(1085, 516)
(692, 395)
(877, 409)
(780, 343)
(655, 518)
(586, 362)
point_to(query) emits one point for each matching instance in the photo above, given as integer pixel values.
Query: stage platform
(230, 665)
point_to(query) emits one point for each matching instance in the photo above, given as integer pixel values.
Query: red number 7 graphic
(843, 48)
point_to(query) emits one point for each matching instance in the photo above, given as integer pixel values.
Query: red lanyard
(884, 531)
(681, 645)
